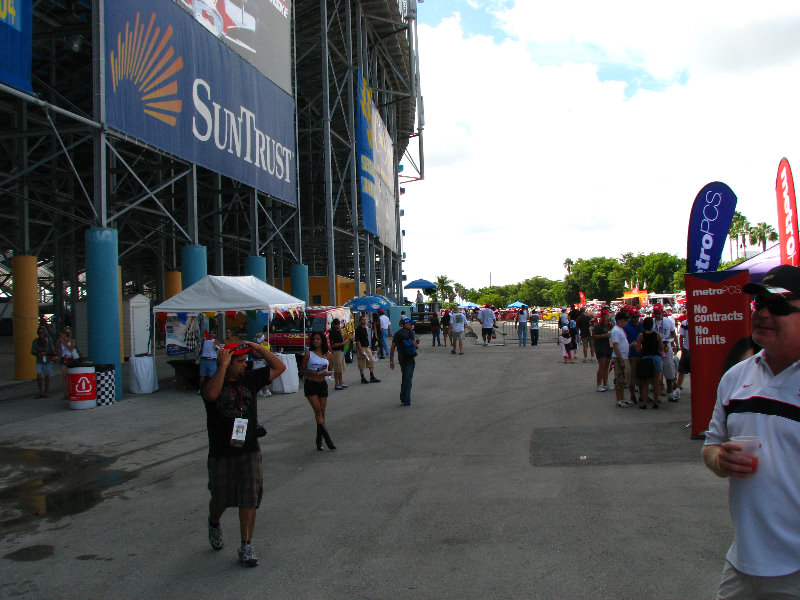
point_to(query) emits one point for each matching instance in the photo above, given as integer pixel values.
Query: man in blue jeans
(386, 330)
(406, 344)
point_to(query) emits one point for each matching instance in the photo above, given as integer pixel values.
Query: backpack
(409, 348)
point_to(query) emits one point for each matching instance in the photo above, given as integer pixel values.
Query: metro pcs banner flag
(16, 29)
(174, 86)
(787, 215)
(709, 223)
(719, 334)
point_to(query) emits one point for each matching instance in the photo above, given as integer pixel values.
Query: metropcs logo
(710, 214)
(144, 58)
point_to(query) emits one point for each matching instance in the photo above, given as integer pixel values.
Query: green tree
(659, 269)
(761, 234)
(568, 265)
(598, 277)
(444, 289)
(739, 227)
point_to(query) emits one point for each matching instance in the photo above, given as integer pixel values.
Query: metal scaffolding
(61, 172)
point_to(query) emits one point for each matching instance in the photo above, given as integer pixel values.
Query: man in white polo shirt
(759, 397)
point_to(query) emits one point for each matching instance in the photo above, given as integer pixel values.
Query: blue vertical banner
(376, 169)
(709, 224)
(16, 28)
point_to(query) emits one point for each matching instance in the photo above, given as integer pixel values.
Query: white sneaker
(600, 388)
(676, 394)
(623, 404)
(585, 360)
(609, 388)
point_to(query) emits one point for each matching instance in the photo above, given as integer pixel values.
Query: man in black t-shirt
(406, 344)
(234, 456)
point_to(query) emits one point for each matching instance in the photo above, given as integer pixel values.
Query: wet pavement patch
(38, 484)
(31, 553)
(624, 444)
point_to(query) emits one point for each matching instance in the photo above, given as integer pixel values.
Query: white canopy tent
(220, 293)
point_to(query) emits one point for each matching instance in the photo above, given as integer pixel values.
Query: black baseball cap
(783, 281)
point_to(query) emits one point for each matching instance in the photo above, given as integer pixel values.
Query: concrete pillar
(257, 267)
(194, 265)
(103, 300)
(25, 273)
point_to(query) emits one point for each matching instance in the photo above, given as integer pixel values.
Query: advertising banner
(787, 215)
(257, 30)
(183, 335)
(173, 86)
(709, 224)
(16, 28)
(376, 169)
(719, 334)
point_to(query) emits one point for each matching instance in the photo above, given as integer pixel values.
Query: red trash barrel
(82, 384)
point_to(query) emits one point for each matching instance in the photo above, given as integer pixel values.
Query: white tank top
(316, 363)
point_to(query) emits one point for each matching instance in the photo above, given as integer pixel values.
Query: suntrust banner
(787, 215)
(719, 334)
(16, 30)
(709, 224)
(173, 86)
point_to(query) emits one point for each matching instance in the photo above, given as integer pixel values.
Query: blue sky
(544, 119)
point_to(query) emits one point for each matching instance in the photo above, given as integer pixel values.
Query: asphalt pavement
(508, 477)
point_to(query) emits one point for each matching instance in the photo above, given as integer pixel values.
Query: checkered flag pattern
(105, 388)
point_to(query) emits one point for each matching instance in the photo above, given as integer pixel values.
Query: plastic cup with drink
(750, 445)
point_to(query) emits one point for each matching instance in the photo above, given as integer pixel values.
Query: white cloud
(531, 158)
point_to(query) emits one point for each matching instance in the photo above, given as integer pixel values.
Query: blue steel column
(194, 265)
(102, 295)
(257, 267)
(299, 277)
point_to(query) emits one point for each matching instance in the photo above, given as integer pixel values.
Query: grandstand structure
(63, 170)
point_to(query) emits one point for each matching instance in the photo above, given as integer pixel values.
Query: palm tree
(761, 234)
(738, 225)
(568, 263)
(744, 230)
(460, 290)
(444, 287)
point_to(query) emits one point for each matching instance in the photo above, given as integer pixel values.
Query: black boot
(373, 379)
(364, 379)
(327, 436)
(319, 437)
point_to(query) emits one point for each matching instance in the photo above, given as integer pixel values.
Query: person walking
(487, 318)
(522, 326)
(67, 350)
(314, 368)
(44, 350)
(435, 330)
(235, 476)
(365, 358)
(386, 332)
(758, 397)
(446, 327)
(620, 347)
(458, 322)
(584, 323)
(208, 359)
(406, 344)
(337, 353)
(648, 367)
(601, 333)
(632, 331)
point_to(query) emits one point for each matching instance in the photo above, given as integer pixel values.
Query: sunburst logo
(145, 59)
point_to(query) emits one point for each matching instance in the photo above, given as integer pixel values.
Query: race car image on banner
(258, 30)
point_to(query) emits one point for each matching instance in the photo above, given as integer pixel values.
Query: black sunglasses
(774, 304)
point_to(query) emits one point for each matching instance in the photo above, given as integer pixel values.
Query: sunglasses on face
(775, 304)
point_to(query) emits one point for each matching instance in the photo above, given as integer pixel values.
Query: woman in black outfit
(648, 369)
(315, 367)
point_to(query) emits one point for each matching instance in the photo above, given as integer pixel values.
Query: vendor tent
(759, 264)
(219, 293)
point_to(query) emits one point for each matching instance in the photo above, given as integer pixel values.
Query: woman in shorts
(648, 369)
(315, 367)
(601, 334)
